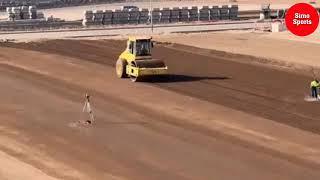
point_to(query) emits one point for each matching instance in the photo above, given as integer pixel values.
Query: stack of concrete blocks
(175, 15)
(214, 13)
(10, 14)
(134, 16)
(33, 12)
(194, 14)
(107, 17)
(25, 12)
(224, 12)
(116, 16)
(165, 15)
(204, 13)
(233, 12)
(156, 15)
(16, 11)
(88, 18)
(40, 15)
(124, 17)
(144, 16)
(184, 14)
(97, 17)
(120, 16)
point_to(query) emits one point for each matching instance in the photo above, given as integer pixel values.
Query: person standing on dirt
(314, 88)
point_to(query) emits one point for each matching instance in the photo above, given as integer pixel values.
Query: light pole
(151, 21)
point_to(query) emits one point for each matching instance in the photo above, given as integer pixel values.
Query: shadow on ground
(171, 78)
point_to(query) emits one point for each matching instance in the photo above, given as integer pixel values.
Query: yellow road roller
(136, 61)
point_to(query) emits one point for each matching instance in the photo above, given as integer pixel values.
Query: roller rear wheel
(135, 78)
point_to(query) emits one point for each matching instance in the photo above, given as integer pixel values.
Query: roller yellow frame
(136, 60)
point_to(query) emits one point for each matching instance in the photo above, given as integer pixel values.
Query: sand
(209, 118)
(274, 46)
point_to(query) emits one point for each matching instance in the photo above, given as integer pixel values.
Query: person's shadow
(171, 78)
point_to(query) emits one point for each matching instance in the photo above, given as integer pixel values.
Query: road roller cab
(137, 62)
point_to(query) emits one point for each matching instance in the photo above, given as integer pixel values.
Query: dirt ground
(210, 117)
(282, 49)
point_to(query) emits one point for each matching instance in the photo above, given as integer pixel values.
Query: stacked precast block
(193, 14)
(144, 16)
(156, 15)
(97, 17)
(233, 12)
(88, 18)
(224, 12)
(25, 12)
(10, 13)
(120, 17)
(175, 15)
(134, 15)
(107, 17)
(214, 13)
(165, 15)
(116, 16)
(184, 14)
(40, 15)
(16, 11)
(204, 13)
(33, 12)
